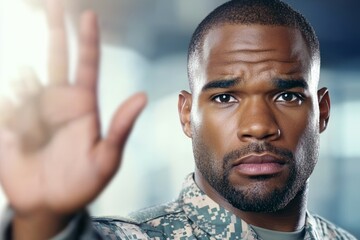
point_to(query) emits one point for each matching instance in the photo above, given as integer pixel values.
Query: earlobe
(184, 108)
(324, 107)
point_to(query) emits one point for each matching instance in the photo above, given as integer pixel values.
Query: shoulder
(167, 210)
(118, 228)
(144, 224)
(329, 230)
(167, 221)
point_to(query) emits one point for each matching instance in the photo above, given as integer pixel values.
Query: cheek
(296, 126)
(217, 131)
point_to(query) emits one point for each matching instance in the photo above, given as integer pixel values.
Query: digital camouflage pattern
(195, 216)
(192, 216)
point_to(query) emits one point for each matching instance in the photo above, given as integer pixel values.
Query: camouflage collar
(213, 218)
(210, 216)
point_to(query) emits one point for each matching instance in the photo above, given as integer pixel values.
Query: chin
(260, 193)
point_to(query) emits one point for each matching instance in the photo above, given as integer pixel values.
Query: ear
(324, 107)
(184, 108)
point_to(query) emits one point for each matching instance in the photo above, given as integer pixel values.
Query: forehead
(284, 42)
(235, 46)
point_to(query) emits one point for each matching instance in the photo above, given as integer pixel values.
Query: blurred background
(144, 45)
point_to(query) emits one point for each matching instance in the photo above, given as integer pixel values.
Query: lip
(259, 165)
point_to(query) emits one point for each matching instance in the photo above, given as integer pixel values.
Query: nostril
(272, 135)
(259, 133)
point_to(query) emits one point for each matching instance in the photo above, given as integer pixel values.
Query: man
(254, 115)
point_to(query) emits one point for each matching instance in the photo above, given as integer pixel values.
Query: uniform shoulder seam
(158, 211)
(108, 219)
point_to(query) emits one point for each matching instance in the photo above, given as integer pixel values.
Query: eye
(290, 97)
(224, 98)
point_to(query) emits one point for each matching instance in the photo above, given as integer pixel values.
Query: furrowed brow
(291, 83)
(220, 84)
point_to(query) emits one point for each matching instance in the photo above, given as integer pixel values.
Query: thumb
(124, 119)
(108, 152)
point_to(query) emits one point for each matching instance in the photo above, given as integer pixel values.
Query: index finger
(57, 49)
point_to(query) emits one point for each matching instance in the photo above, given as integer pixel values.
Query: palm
(51, 153)
(47, 161)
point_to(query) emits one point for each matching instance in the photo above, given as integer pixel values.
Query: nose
(257, 122)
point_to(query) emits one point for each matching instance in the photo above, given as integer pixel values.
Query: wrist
(41, 225)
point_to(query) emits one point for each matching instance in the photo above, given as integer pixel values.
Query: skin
(255, 98)
(53, 159)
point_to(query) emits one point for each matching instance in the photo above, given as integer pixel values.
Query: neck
(290, 218)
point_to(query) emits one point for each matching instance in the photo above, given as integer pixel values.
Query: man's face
(254, 118)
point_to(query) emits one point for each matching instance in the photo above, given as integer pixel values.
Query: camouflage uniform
(195, 216)
(192, 216)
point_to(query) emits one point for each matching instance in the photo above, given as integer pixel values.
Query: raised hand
(53, 160)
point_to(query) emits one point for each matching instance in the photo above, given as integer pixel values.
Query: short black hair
(264, 12)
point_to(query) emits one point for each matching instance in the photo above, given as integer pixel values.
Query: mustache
(256, 147)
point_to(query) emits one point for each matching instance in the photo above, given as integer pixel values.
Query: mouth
(265, 164)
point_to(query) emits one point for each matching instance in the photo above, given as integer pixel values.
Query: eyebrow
(221, 84)
(290, 83)
(278, 83)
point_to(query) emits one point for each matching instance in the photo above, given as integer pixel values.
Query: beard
(257, 196)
